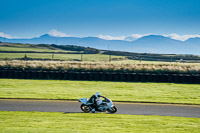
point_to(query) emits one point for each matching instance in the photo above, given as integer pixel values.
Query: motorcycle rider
(93, 100)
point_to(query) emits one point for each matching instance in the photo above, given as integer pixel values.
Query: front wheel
(113, 110)
(85, 108)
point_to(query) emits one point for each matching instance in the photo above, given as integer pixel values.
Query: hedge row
(101, 76)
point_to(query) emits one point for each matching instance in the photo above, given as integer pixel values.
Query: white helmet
(97, 94)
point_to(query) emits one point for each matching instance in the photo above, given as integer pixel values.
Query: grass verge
(101, 64)
(80, 122)
(117, 91)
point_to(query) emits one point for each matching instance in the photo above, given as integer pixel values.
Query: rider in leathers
(93, 99)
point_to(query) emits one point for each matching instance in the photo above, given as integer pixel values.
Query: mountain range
(147, 44)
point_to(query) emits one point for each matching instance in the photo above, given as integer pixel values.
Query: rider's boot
(93, 110)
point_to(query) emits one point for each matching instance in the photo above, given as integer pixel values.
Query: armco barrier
(101, 76)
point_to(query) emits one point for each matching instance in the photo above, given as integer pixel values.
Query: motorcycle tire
(114, 110)
(85, 108)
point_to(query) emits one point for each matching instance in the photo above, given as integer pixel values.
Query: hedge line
(101, 76)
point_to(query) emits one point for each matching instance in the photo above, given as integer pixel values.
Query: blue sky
(103, 18)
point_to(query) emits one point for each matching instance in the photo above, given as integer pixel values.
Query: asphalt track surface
(123, 108)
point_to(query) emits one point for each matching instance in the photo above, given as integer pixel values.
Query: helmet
(97, 94)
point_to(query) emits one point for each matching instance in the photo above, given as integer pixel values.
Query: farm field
(117, 91)
(85, 57)
(30, 49)
(81, 122)
(117, 56)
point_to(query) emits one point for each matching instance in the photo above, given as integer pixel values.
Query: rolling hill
(147, 44)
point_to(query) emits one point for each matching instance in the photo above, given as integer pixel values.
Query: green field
(147, 58)
(47, 48)
(117, 91)
(85, 57)
(81, 122)
(30, 49)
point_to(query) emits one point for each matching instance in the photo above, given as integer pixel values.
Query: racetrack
(123, 108)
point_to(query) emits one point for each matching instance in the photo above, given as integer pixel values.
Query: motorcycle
(105, 105)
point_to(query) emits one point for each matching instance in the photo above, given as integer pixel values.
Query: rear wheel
(114, 110)
(85, 108)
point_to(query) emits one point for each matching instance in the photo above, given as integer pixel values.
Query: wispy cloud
(57, 33)
(181, 37)
(7, 35)
(134, 37)
(108, 37)
(139, 35)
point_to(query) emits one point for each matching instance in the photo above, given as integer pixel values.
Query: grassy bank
(117, 91)
(58, 122)
(143, 67)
